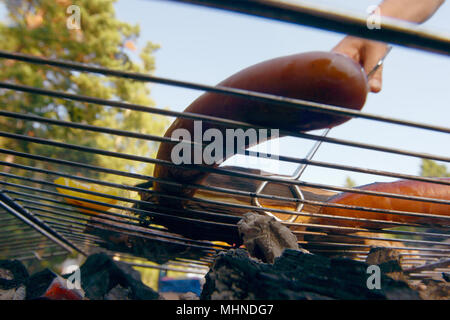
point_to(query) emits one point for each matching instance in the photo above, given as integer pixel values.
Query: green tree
(39, 27)
(430, 168)
(349, 183)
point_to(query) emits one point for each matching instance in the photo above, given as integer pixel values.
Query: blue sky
(207, 45)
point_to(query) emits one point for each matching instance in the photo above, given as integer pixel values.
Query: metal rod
(440, 264)
(31, 247)
(199, 186)
(294, 189)
(304, 162)
(27, 249)
(244, 206)
(403, 240)
(388, 223)
(49, 255)
(189, 242)
(33, 222)
(349, 236)
(316, 226)
(211, 170)
(80, 215)
(298, 232)
(132, 209)
(149, 266)
(105, 216)
(393, 30)
(78, 236)
(119, 186)
(332, 244)
(370, 230)
(258, 96)
(23, 236)
(88, 127)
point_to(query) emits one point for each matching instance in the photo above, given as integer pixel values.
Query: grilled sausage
(322, 77)
(402, 187)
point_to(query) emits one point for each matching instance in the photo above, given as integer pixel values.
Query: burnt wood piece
(38, 284)
(264, 237)
(13, 274)
(13, 278)
(430, 289)
(296, 275)
(104, 278)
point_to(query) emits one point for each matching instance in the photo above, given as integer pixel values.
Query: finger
(376, 80)
(371, 56)
(350, 47)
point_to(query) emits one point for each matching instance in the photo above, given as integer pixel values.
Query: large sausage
(322, 77)
(401, 187)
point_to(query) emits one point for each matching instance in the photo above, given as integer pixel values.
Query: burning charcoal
(48, 285)
(435, 290)
(389, 261)
(189, 296)
(446, 276)
(13, 277)
(104, 278)
(296, 275)
(264, 237)
(118, 293)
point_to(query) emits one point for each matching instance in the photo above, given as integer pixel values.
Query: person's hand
(367, 53)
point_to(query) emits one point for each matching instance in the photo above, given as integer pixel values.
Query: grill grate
(50, 226)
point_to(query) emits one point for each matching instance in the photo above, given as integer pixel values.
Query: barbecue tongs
(295, 189)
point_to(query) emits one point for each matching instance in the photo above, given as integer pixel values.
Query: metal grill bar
(393, 31)
(349, 236)
(7, 204)
(308, 105)
(249, 207)
(304, 161)
(313, 226)
(242, 175)
(306, 233)
(26, 255)
(440, 264)
(84, 224)
(150, 266)
(197, 186)
(191, 198)
(49, 255)
(351, 245)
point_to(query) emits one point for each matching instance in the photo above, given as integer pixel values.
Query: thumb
(375, 81)
(372, 53)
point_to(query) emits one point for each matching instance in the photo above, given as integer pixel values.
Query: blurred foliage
(430, 168)
(349, 183)
(39, 27)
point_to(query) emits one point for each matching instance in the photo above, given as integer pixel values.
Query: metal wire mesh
(50, 226)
